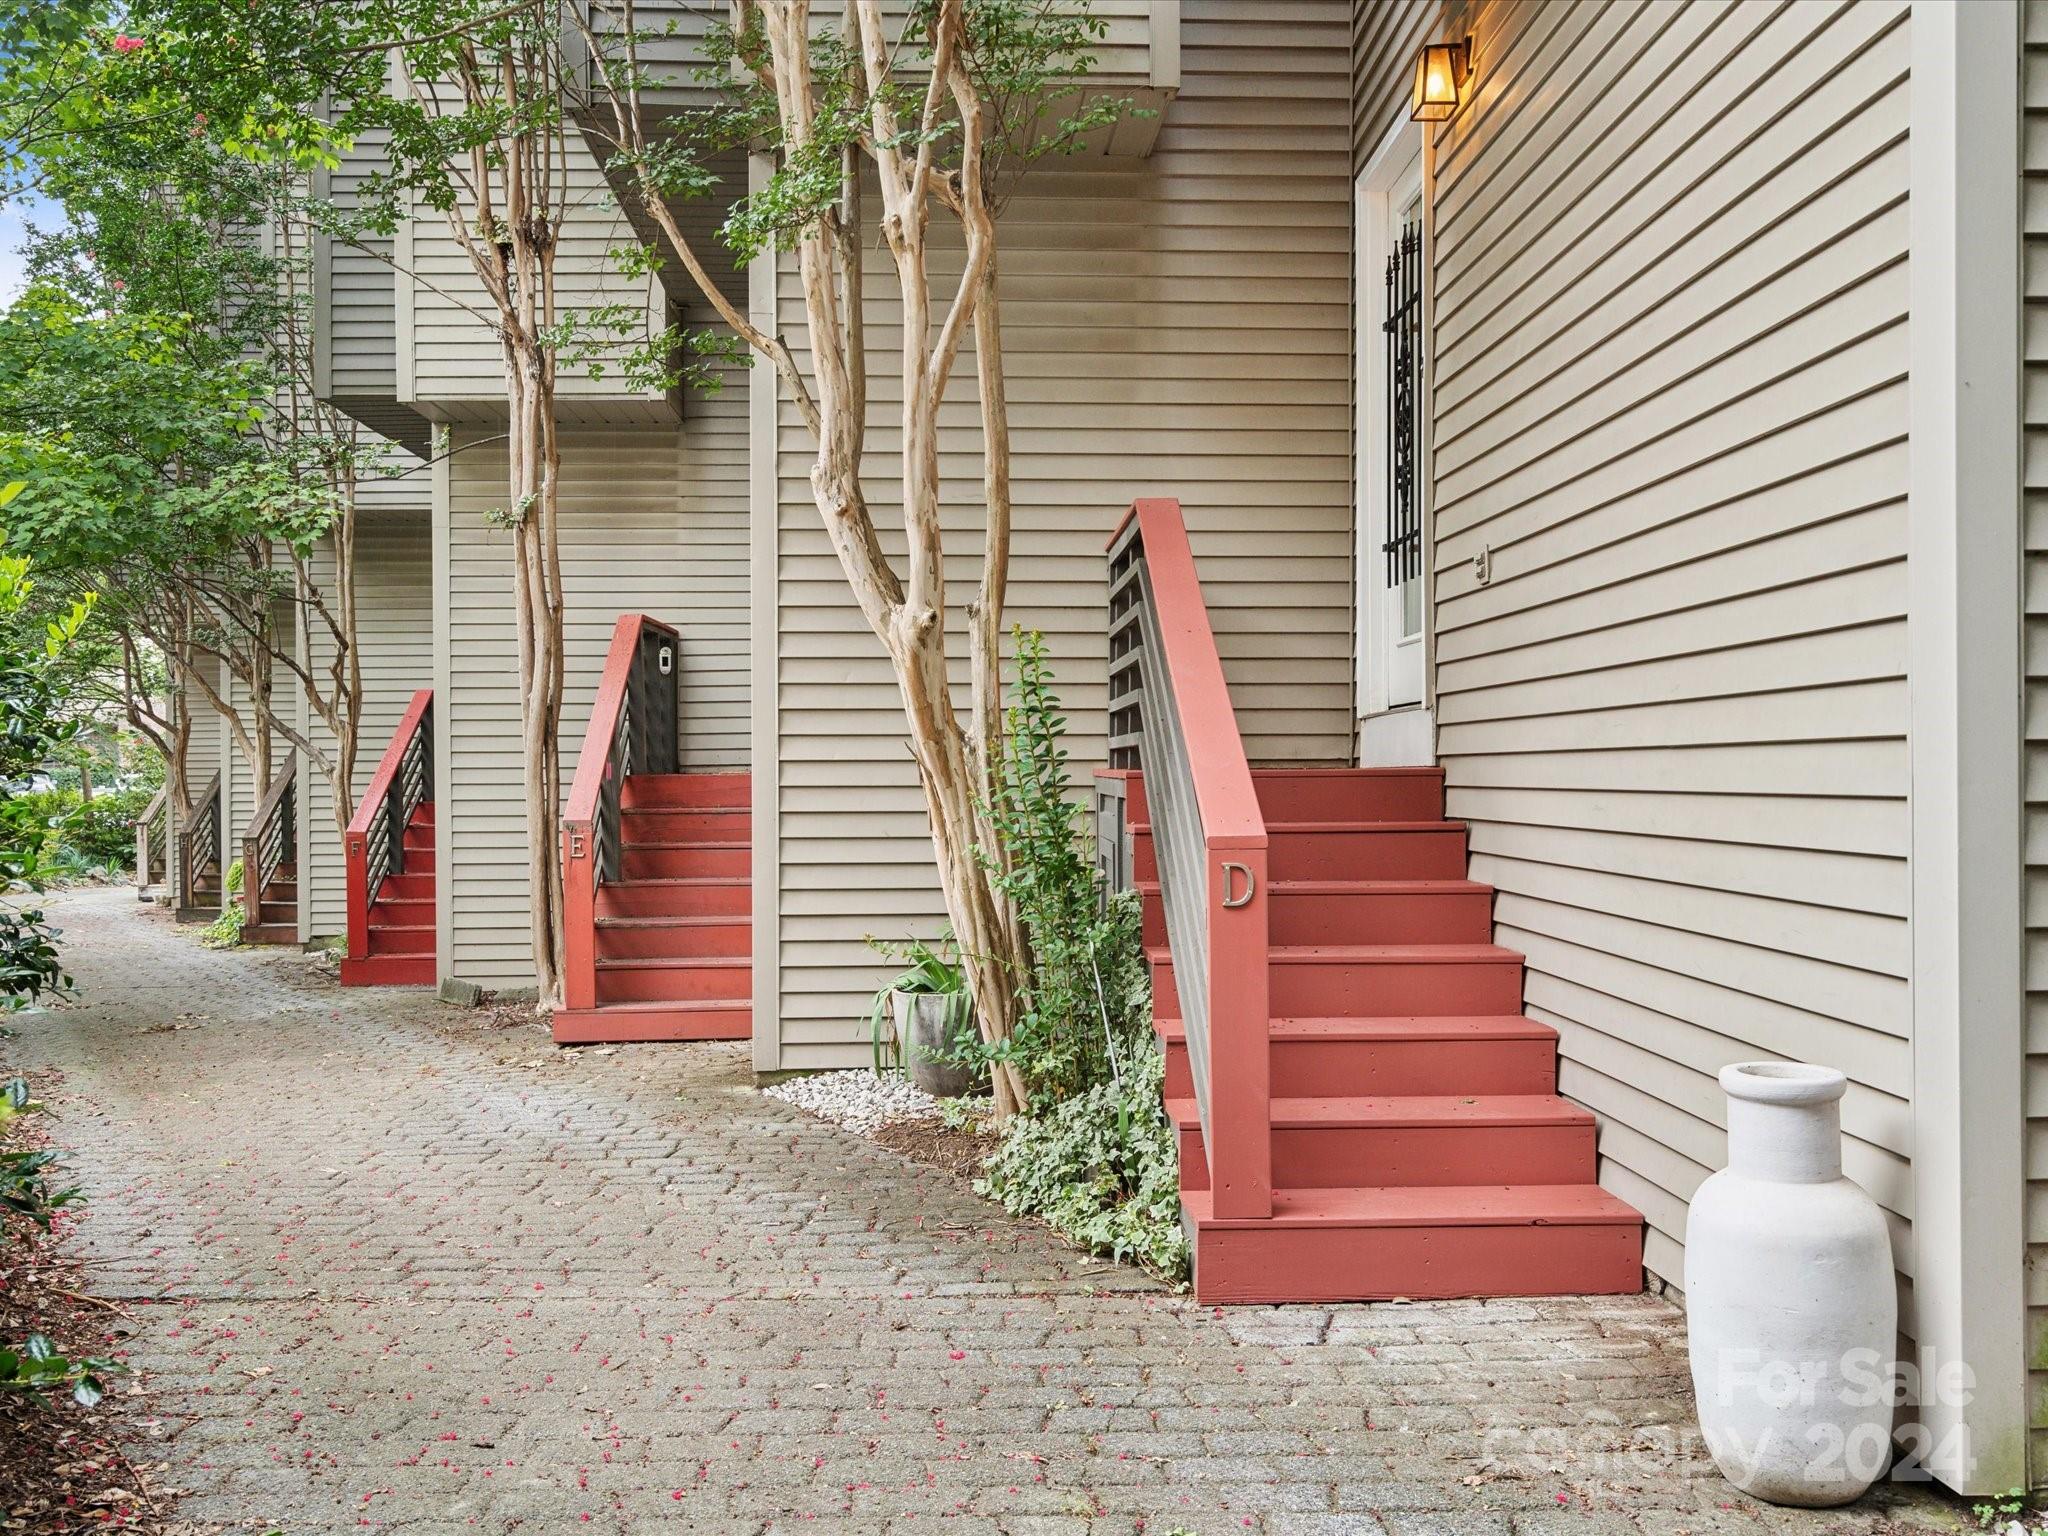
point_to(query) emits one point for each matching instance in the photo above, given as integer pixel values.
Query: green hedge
(83, 833)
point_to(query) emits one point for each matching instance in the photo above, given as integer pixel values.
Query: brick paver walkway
(397, 1268)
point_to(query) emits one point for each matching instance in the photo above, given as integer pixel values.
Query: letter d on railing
(1240, 1128)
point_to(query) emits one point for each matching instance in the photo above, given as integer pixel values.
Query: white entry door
(1392, 483)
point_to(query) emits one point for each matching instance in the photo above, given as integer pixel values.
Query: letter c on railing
(1243, 897)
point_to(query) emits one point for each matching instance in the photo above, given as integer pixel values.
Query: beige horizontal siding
(672, 53)
(453, 368)
(395, 644)
(358, 321)
(394, 480)
(654, 520)
(2033, 194)
(1669, 401)
(1177, 326)
(1386, 36)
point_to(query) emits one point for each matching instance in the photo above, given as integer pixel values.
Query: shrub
(1085, 999)
(1101, 1169)
(26, 1193)
(75, 835)
(1095, 1158)
(103, 828)
(225, 931)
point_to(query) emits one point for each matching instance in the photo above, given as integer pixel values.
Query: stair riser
(402, 914)
(413, 886)
(419, 861)
(726, 939)
(271, 933)
(1379, 1068)
(1339, 989)
(401, 941)
(1293, 795)
(278, 912)
(1331, 1264)
(418, 843)
(389, 971)
(1338, 1157)
(674, 900)
(675, 984)
(641, 791)
(685, 826)
(593, 1026)
(683, 863)
(1346, 917)
(1424, 854)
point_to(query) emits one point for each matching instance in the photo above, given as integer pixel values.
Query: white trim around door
(1392, 540)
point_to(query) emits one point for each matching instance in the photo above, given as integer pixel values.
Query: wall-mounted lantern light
(1441, 70)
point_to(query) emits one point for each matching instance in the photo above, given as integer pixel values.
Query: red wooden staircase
(1363, 1109)
(390, 851)
(656, 867)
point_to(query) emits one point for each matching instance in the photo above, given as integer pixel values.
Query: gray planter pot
(921, 1033)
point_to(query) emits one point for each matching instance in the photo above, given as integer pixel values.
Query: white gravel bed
(860, 1101)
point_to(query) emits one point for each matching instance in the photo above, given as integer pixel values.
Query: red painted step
(1336, 794)
(394, 939)
(675, 981)
(1369, 911)
(682, 860)
(688, 824)
(1416, 1055)
(1376, 1244)
(723, 896)
(1438, 1139)
(401, 917)
(389, 971)
(673, 938)
(623, 1023)
(1344, 850)
(1326, 980)
(1418, 1145)
(644, 790)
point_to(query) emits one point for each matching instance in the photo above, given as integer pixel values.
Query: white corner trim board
(1965, 681)
(764, 395)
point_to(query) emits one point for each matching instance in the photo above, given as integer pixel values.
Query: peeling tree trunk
(537, 612)
(957, 763)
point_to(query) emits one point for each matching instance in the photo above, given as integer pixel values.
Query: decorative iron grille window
(1403, 328)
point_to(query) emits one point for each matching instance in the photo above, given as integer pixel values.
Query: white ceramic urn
(1791, 1305)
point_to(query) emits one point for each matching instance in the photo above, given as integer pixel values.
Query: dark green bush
(1101, 1169)
(1095, 1159)
(1085, 999)
(78, 835)
(103, 828)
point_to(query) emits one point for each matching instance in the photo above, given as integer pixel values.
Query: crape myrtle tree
(939, 109)
(161, 217)
(937, 106)
(469, 96)
(138, 466)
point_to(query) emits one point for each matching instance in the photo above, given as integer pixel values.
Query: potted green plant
(922, 1019)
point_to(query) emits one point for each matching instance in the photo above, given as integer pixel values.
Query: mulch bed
(958, 1152)
(64, 1468)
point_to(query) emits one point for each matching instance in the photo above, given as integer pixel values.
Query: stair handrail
(272, 836)
(375, 844)
(199, 844)
(633, 729)
(1170, 716)
(145, 853)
